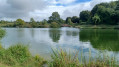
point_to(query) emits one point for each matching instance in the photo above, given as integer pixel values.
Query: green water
(41, 40)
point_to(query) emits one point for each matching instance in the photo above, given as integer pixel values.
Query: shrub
(2, 33)
(19, 52)
(54, 25)
(63, 59)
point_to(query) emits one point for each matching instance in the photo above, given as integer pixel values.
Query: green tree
(96, 19)
(104, 13)
(55, 17)
(44, 22)
(19, 22)
(84, 16)
(75, 19)
(117, 6)
(67, 19)
(33, 22)
(2, 33)
(69, 22)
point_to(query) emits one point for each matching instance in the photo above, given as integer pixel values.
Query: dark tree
(55, 17)
(67, 19)
(117, 6)
(75, 19)
(84, 16)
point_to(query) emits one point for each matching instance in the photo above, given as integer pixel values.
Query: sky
(42, 9)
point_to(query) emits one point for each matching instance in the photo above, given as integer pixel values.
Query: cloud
(20, 8)
(66, 1)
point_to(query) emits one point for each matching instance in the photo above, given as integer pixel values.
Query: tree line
(103, 13)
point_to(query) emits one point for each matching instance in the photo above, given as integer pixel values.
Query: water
(41, 40)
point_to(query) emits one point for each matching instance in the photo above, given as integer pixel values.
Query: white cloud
(66, 1)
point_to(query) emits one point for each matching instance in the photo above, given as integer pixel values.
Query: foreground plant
(19, 56)
(62, 59)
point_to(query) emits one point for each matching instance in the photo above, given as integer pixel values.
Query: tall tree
(33, 22)
(19, 22)
(55, 17)
(44, 22)
(75, 19)
(117, 7)
(84, 16)
(69, 21)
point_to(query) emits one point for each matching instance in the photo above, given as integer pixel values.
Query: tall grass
(2, 33)
(63, 59)
(19, 56)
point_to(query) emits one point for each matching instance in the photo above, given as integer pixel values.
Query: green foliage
(96, 19)
(54, 25)
(2, 33)
(55, 17)
(19, 52)
(75, 19)
(117, 6)
(32, 20)
(33, 23)
(106, 12)
(19, 22)
(69, 21)
(63, 59)
(19, 56)
(84, 16)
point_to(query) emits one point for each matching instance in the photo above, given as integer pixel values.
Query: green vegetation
(19, 56)
(63, 59)
(19, 23)
(2, 33)
(54, 25)
(101, 14)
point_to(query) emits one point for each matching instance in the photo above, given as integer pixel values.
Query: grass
(19, 56)
(63, 59)
(2, 33)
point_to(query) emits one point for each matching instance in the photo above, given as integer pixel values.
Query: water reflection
(20, 32)
(32, 32)
(55, 34)
(101, 39)
(72, 33)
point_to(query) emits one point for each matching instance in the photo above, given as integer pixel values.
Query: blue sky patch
(76, 2)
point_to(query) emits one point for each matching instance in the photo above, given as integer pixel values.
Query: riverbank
(19, 56)
(97, 26)
(27, 25)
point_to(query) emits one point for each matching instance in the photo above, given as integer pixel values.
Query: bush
(2, 33)
(54, 25)
(19, 52)
(19, 56)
